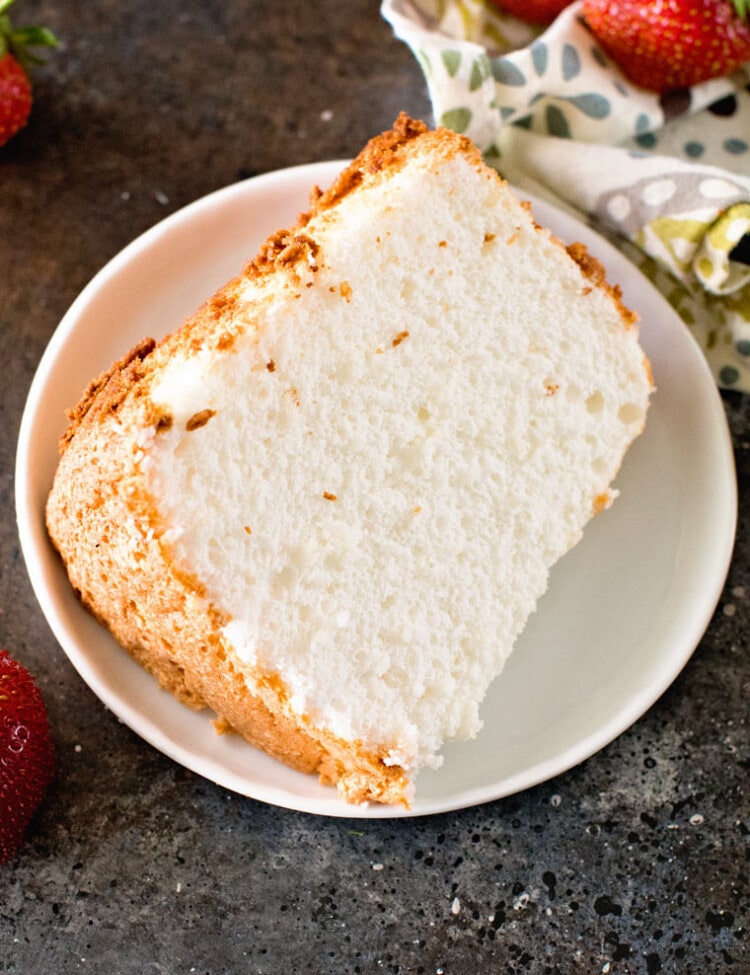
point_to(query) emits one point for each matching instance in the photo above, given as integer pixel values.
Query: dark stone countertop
(636, 861)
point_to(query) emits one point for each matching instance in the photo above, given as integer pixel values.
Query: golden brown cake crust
(107, 391)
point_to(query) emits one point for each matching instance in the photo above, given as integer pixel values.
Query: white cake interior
(398, 453)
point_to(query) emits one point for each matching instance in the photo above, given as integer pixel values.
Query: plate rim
(39, 571)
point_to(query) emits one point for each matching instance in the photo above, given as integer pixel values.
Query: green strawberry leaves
(17, 41)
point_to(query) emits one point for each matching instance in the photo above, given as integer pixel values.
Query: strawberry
(533, 11)
(15, 85)
(15, 97)
(27, 757)
(662, 45)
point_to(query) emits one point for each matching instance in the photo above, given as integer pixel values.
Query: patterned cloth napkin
(666, 178)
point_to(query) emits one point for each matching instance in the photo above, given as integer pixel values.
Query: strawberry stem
(19, 40)
(741, 8)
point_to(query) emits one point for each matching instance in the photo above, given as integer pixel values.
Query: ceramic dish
(624, 610)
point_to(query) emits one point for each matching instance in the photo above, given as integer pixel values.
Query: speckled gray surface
(637, 861)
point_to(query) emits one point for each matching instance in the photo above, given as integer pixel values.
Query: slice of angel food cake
(326, 506)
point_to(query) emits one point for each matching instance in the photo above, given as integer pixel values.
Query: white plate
(624, 610)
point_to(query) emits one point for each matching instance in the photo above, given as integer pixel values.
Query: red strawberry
(27, 758)
(15, 86)
(666, 44)
(533, 11)
(15, 97)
